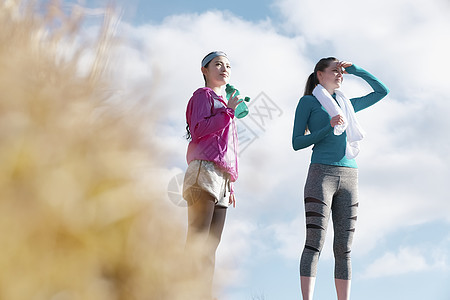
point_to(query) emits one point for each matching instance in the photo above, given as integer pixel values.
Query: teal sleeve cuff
(352, 69)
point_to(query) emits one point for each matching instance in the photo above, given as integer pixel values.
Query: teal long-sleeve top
(329, 149)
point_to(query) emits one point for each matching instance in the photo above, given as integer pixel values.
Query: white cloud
(288, 238)
(402, 40)
(239, 239)
(406, 260)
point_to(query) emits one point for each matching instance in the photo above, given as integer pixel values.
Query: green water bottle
(242, 109)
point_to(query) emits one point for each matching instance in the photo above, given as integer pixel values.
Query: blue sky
(402, 242)
(156, 11)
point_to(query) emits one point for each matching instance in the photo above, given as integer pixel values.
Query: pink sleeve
(200, 119)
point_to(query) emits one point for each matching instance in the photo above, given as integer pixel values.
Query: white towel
(354, 131)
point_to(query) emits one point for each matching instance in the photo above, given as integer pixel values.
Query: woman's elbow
(295, 145)
(385, 91)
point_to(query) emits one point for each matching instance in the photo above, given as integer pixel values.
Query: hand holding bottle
(241, 109)
(234, 101)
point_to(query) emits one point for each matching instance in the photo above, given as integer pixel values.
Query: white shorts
(202, 175)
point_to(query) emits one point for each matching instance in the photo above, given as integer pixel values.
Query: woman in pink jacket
(212, 161)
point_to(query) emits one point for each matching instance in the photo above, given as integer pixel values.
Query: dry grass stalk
(72, 225)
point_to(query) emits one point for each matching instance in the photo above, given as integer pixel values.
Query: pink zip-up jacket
(213, 131)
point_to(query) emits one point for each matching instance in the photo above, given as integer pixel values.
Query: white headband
(211, 56)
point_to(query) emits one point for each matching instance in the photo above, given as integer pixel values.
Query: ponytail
(310, 84)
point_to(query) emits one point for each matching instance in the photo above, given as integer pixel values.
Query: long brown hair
(188, 132)
(312, 79)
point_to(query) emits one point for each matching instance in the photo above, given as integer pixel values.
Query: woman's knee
(342, 249)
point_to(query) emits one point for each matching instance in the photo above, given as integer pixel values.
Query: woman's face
(218, 71)
(331, 78)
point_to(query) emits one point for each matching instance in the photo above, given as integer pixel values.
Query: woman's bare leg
(343, 288)
(307, 285)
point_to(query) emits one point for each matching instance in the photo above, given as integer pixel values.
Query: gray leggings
(330, 189)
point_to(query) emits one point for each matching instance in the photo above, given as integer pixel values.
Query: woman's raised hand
(344, 64)
(234, 101)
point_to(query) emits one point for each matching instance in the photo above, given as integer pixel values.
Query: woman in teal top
(331, 187)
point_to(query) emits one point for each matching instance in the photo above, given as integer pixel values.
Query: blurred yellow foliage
(72, 224)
